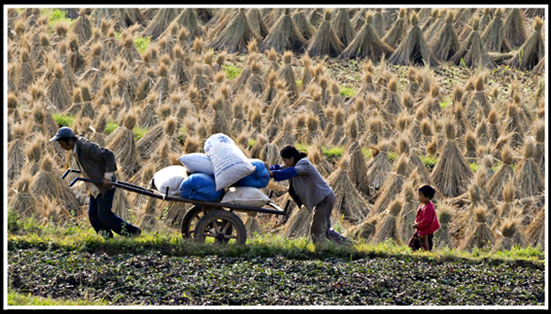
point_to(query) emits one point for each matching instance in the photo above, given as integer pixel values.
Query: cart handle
(138, 189)
(68, 171)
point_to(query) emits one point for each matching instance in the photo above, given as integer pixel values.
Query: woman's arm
(283, 174)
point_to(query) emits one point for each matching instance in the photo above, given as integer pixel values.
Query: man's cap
(63, 132)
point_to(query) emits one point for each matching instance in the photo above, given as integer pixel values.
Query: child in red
(426, 221)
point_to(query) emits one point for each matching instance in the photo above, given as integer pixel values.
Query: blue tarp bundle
(201, 187)
(259, 178)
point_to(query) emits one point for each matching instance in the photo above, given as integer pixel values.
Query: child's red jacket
(426, 219)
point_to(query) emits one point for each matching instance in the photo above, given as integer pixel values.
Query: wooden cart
(204, 221)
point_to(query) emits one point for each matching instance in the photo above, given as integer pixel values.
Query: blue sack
(259, 178)
(201, 187)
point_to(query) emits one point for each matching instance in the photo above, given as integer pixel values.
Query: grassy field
(67, 266)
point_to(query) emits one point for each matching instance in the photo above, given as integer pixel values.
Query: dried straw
(451, 174)
(513, 235)
(325, 42)
(481, 236)
(284, 36)
(236, 35)
(527, 175)
(414, 49)
(349, 202)
(388, 228)
(472, 53)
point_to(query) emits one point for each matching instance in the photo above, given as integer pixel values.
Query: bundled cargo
(245, 196)
(229, 163)
(169, 178)
(201, 187)
(197, 163)
(259, 178)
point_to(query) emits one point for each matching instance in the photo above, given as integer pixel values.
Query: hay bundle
(388, 228)
(316, 17)
(513, 126)
(179, 68)
(445, 44)
(129, 52)
(394, 35)
(82, 26)
(287, 76)
(408, 214)
(285, 136)
(513, 27)
(535, 232)
(160, 22)
(284, 36)
(236, 35)
(58, 91)
(452, 173)
(481, 236)
(349, 202)
(393, 104)
(325, 42)
(257, 22)
(123, 145)
(508, 207)
(531, 51)
(414, 49)
(527, 175)
(479, 196)
(365, 230)
(513, 235)
(445, 214)
(253, 227)
(505, 172)
(299, 224)
(539, 154)
(26, 71)
(220, 122)
(392, 185)
(342, 27)
(188, 19)
(338, 127)
(24, 203)
(303, 25)
(316, 156)
(494, 35)
(472, 53)
(312, 127)
(271, 92)
(16, 156)
(256, 81)
(357, 167)
(367, 44)
(379, 166)
(44, 182)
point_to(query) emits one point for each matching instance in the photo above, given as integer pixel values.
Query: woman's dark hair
(427, 190)
(289, 151)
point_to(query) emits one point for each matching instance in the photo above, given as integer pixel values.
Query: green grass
(111, 126)
(141, 43)
(15, 299)
(347, 92)
(429, 161)
(474, 166)
(80, 237)
(54, 16)
(139, 132)
(231, 71)
(63, 120)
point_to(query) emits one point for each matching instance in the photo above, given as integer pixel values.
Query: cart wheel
(191, 218)
(222, 226)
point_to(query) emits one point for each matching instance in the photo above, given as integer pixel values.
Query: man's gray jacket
(95, 161)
